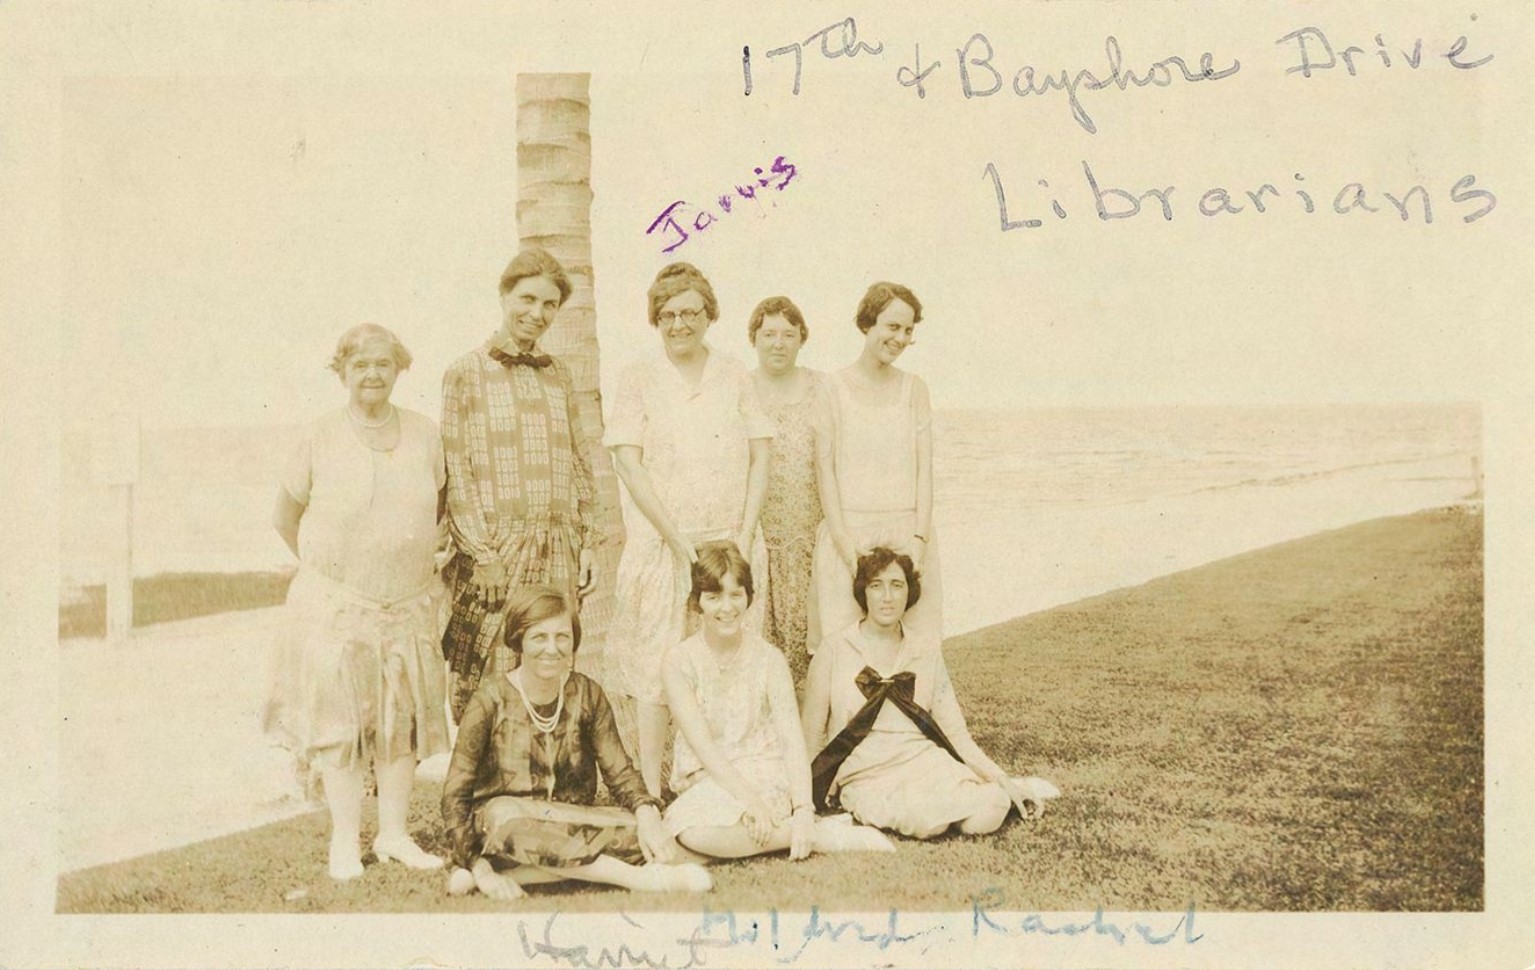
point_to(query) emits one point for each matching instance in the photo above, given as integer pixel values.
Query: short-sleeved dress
(357, 673)
(790, 515)
(874, 452)
(695, 444)
(520, 492)
(518, 795)
(736, 704)
(897, 778)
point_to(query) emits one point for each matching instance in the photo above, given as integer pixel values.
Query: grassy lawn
(1298, 728)
(174, 596)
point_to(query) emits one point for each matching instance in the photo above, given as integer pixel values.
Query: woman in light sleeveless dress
(874, 460)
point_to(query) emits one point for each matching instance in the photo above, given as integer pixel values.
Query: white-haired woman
(358, 675)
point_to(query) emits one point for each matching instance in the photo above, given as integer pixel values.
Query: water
(1084, 498)
(1080, 457)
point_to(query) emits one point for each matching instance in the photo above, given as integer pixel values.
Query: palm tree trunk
(554, 200)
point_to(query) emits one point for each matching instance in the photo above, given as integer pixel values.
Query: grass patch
(1295, 729)
(173, 596)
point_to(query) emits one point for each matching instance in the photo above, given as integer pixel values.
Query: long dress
(356, 674)
(736, 701)
(517, 795)
(520, 491)
(695, 447)
(790, 514)
(897, 778)
(874, 453)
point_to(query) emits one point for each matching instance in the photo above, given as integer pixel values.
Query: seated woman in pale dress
(740, 765)
(357, 674)
(900, 756)
(518, 802)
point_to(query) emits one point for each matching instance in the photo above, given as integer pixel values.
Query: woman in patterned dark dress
(518, 799)
(520, 491)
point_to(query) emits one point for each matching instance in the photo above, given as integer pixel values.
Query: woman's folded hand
(654, 842)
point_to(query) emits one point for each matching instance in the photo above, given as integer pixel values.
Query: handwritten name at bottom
(785, 938)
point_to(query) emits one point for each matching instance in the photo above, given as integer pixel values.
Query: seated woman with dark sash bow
(900, 756)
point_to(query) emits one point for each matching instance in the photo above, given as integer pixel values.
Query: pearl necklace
(373, 425)
(545, 725)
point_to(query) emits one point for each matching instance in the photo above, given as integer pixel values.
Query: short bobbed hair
(880, 296)
(352, 340)
(780, 306)
(876, 561)
(535, 262)
(532, 605)
(676, 279)
(716, 560)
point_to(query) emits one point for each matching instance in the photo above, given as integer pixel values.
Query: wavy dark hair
(532, 605)
(716, 560)
(782, 306)
(874, 562)
(879, 296)
(676, 279)
(535, 262)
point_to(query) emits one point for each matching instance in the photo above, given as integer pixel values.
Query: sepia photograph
(559, 486)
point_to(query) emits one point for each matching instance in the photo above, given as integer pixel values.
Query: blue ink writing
(982, 921)
(721, 930)
(673, 224)
(585, 957)
(817, 928)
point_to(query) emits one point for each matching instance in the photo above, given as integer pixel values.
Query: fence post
(115, 464)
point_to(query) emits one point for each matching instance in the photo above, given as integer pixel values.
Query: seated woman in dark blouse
(518, 799)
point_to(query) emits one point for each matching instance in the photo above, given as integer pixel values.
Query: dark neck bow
(525, 359)
(899, 690)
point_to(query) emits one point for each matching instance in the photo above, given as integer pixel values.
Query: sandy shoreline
(159, 743)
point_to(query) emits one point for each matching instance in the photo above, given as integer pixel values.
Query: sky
(221, 231)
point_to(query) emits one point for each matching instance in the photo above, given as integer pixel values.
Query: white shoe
(402, 850)
(460, 882)
(345, 864)
(434, 769)
(1038, 787)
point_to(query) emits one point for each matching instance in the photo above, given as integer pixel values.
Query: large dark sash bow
(512, 360)
(898, 690)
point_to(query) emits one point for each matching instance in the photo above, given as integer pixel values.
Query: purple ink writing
(682, 220)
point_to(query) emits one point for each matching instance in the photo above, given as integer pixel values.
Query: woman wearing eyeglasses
(691, 444)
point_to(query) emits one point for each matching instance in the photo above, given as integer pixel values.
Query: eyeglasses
(689, 317)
